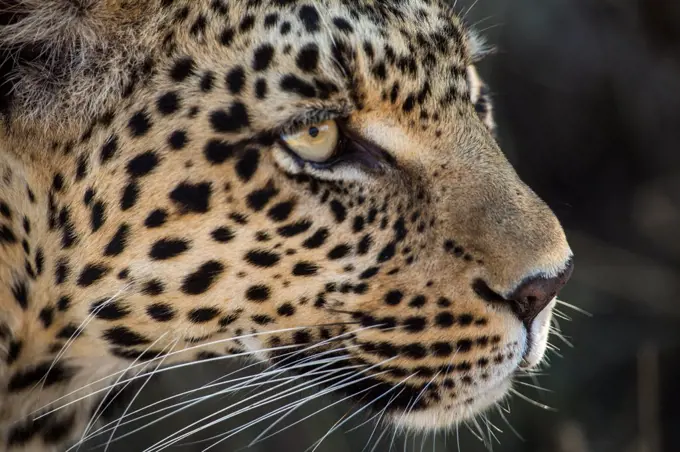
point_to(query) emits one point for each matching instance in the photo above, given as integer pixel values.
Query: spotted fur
(150, 214)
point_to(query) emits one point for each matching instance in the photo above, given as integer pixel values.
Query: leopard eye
(316, 143)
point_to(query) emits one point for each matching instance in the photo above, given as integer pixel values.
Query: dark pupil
(314, 132)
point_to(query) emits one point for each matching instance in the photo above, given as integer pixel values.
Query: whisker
(261, 403)
(531, 401)
(195, 402)
(337, 426)
(575, 308)
(99, 410)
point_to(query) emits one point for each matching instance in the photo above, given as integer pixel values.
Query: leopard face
(296, 181)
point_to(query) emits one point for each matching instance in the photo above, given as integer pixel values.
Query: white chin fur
(540, 330)
(442, 418)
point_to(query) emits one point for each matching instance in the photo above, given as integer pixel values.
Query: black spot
(394, 297)
(364, 245)
(286, 310)
(302, 337)
(285, 28)
(46, 316)
(165, 249)
(161, 312)
(183, 68)
(178, 139)
(203, 315)
(198, 26)
(14, 351)
(281, 211)
(39, 261)
(263, 57)
(310, 18)
(139, 123)
(218, 151)
(227, 37)
(109, 149)
(230, 121)
(91, 274)
(70, 332)
(168, 103)
(64, 303)
(81, 168)
(203, 278)
(317, 240)
(258, 199)
(339, 211)
(308, 58)
(222, 234)
(418, 301)
(369, 273)
(464, 345)
(247, 23)
(343, 25)
(387, 253)
(305, 269)
(192, 198)
(258, 293)
(61, 272)
(57, 185)
(270, 20)
(444, 319)
(294, 84)
(130, 196)
(339, 252)
(124, 337)
(415, 324)
(414, 351)
(108, 309)
(156, 219)
(153, 288)
(444, 302)
(118, 242)
(291, 230)
(47, 374)
(465, 320)
(248, 164)
(261, 88)
(235, 80)
(262, 258)
(88, 196)
(207, 82)
(97, 216)
(261, 319)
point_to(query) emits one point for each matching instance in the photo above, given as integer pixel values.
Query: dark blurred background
(587, 94)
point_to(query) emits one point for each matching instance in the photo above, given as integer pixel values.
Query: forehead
(335, 52)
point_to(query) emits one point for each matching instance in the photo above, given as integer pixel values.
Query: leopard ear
(481, 98)
(66, 59)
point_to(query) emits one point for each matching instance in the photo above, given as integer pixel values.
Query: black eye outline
(351, 149)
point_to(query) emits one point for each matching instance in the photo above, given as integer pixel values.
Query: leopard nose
(535, 293)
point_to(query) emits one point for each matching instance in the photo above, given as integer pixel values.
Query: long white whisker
(99, 410)
(337, 426)
(231, 339)
(120, 419)
(195, 402)
(332, 388)
(531, 401)
(575, 308)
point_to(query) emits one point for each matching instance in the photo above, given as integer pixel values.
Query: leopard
(314, 185)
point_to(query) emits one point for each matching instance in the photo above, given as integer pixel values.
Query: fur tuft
(66, 58)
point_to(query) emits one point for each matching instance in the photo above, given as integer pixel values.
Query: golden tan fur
(442, 208)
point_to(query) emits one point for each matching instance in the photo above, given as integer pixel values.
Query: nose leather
(535, 293)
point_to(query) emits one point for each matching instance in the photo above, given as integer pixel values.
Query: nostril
(535, 293)
(530, 297)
